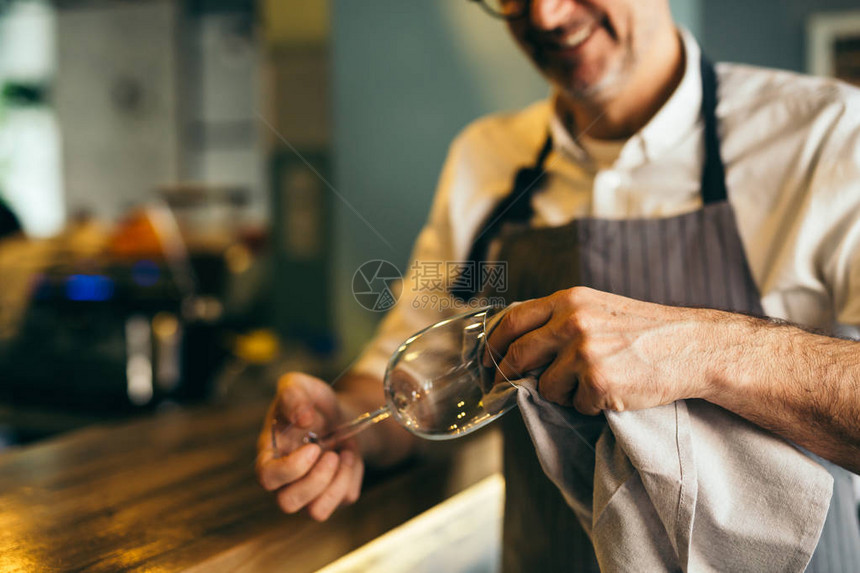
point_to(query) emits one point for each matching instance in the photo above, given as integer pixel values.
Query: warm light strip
(455, 535)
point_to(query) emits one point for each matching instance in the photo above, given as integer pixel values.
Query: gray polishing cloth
(687, 486)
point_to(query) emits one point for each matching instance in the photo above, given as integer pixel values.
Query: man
(663, 181)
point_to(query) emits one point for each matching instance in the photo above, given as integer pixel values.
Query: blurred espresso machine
(109, 322)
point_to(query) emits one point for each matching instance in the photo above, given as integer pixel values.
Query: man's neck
(621, 115)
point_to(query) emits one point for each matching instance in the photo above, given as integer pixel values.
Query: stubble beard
(610, 84)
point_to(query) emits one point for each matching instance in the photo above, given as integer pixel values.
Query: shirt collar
(682, 112)
(678, 116)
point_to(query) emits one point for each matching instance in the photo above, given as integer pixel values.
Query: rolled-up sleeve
(835, 215)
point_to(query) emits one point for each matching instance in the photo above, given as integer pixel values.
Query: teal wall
(407, 77)
(763, 32)
(689, 14)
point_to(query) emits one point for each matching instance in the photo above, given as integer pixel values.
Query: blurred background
(188, 186)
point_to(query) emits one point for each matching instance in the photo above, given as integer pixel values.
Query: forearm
(386, 443)
(802, 386)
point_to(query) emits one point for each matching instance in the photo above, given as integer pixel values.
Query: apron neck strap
(544, 153)
(514, 208)
(713, 173)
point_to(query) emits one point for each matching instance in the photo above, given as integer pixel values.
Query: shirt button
(606, 188)
(607, 181)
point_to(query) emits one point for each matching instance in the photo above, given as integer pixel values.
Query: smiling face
(590, 49)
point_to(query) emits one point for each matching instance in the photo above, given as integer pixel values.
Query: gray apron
(695, 259)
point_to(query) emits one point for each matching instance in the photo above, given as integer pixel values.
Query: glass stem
(348, 430)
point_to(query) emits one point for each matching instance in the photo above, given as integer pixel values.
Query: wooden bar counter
(176, 492)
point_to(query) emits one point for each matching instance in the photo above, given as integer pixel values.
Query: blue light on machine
(145, 273)
(90, 288)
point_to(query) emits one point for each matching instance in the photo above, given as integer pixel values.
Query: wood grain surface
(177, 492)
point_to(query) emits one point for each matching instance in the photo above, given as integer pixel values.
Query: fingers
(335, 480)
(264, 440)
(308, 477)
(516, 321)
(354, 489)
(338, 491)
(560, 381)
(298, 494)
(585, 400)
(528, 352)
(567, 382)
(274, 473)
(300, 394)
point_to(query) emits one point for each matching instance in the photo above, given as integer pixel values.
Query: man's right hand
(307, 476)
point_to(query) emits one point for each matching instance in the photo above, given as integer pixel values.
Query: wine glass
(435, 386)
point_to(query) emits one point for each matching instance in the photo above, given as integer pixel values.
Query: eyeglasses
(505, 9)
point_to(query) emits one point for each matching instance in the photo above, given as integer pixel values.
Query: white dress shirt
(791, 148)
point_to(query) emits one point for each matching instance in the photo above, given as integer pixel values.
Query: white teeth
(578, 37)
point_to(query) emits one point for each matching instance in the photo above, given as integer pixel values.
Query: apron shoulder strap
(514, 208)
(713, 173)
